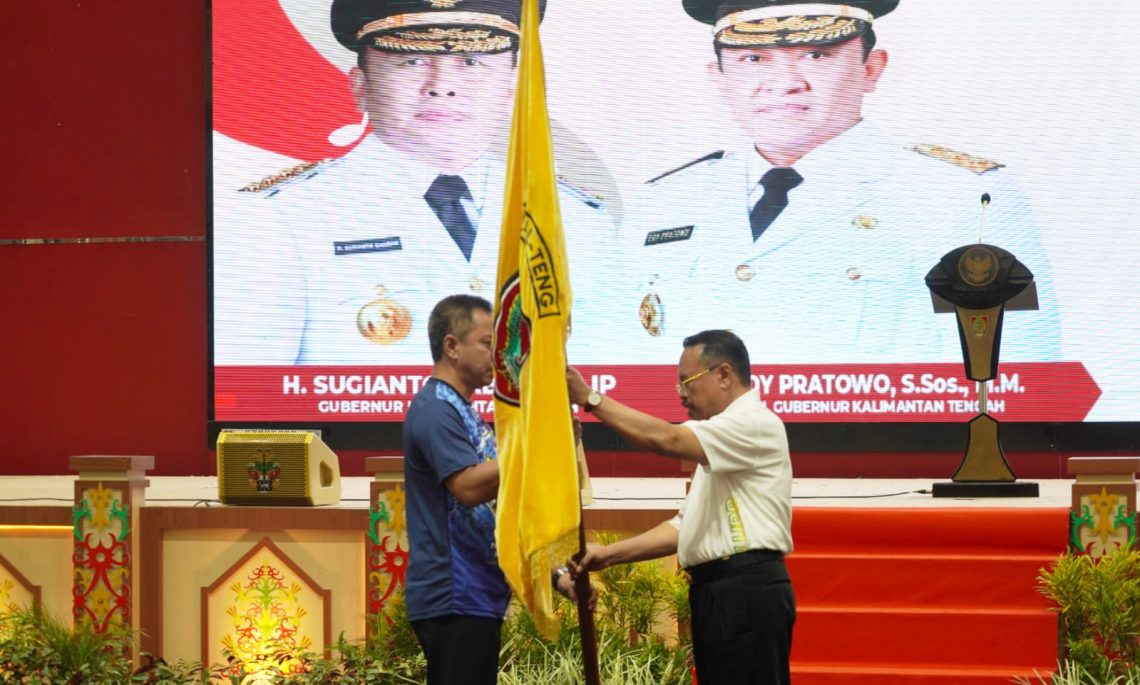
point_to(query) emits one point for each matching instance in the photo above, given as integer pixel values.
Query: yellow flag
(537, 510)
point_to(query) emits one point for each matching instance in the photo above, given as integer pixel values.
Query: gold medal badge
(865, 222)
(745, 273)
(384, 321)
(652, 315)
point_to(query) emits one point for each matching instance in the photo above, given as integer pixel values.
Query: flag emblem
(512, 327)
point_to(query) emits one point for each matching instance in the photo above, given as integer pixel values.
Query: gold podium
(979, 283)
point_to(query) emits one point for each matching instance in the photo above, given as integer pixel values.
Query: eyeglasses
(683, 386)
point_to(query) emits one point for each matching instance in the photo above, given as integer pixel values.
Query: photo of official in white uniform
(812, 243)
(340, 262)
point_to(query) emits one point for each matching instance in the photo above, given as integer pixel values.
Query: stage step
(958, 638)
(961, 531)
(910, 596)
(907, 580)
(857, 674)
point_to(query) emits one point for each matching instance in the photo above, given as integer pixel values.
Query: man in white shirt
(734, 528)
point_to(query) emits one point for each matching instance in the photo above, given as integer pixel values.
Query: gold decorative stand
(979, 283)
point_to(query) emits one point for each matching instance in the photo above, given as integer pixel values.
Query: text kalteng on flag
(538, 507)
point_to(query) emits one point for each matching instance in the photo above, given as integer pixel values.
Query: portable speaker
(276, 467)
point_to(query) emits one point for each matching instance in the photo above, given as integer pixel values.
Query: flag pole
(585, 616)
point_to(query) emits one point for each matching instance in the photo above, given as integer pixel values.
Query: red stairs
(897, 596)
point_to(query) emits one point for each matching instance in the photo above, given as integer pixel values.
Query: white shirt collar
(480, 176)
(850, 155)
(844, 157)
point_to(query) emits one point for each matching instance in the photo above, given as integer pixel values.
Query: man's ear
(873, 68)
(715, 73)
(724, 374)
(358, 82)
(450, 342)
(716, 76)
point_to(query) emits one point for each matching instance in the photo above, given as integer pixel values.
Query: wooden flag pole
(585, 614)
(582, 583)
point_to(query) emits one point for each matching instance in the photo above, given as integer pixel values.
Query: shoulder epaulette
(707, 158)
(587, 198)
(978, 165)
(282, 176)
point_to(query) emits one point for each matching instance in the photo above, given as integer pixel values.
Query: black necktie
(444, 197)
(777, 182)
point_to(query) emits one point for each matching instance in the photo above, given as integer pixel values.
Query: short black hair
(868, 37)
(869, 40)
(720, 347)
(453, 315)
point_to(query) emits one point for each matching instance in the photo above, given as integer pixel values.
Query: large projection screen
(326, 258)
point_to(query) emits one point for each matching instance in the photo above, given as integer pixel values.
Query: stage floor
(609, 493)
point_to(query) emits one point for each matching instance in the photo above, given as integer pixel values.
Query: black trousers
(743, 611)
(460, 650)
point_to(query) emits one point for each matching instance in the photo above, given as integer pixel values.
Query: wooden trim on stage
(117, 463)
(385, 465)
(624, 520)
(150, 579)
(36, 516)
(155, 521)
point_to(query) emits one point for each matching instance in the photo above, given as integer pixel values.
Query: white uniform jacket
(839, 276)
(343, 262)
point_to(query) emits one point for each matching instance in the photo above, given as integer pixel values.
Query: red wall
(104, 346)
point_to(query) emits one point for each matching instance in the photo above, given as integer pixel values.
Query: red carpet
(911, 596)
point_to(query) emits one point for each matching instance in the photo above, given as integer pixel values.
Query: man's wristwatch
(592, 401)
(557, 575)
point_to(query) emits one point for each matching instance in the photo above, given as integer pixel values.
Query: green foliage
(391, 657)
(648, 664)
(158, 672)
(394, 642)
(635, 602)
(1099, 604)
(37, 648)
(632, 598)
(372, 663)
(1072, 673)
(526, 659)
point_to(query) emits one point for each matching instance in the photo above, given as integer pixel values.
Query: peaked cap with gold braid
(783, 23)
(428, 26)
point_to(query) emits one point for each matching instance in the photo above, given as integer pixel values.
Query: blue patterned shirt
(453, 567)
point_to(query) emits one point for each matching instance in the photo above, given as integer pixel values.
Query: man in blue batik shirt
(455, 592)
